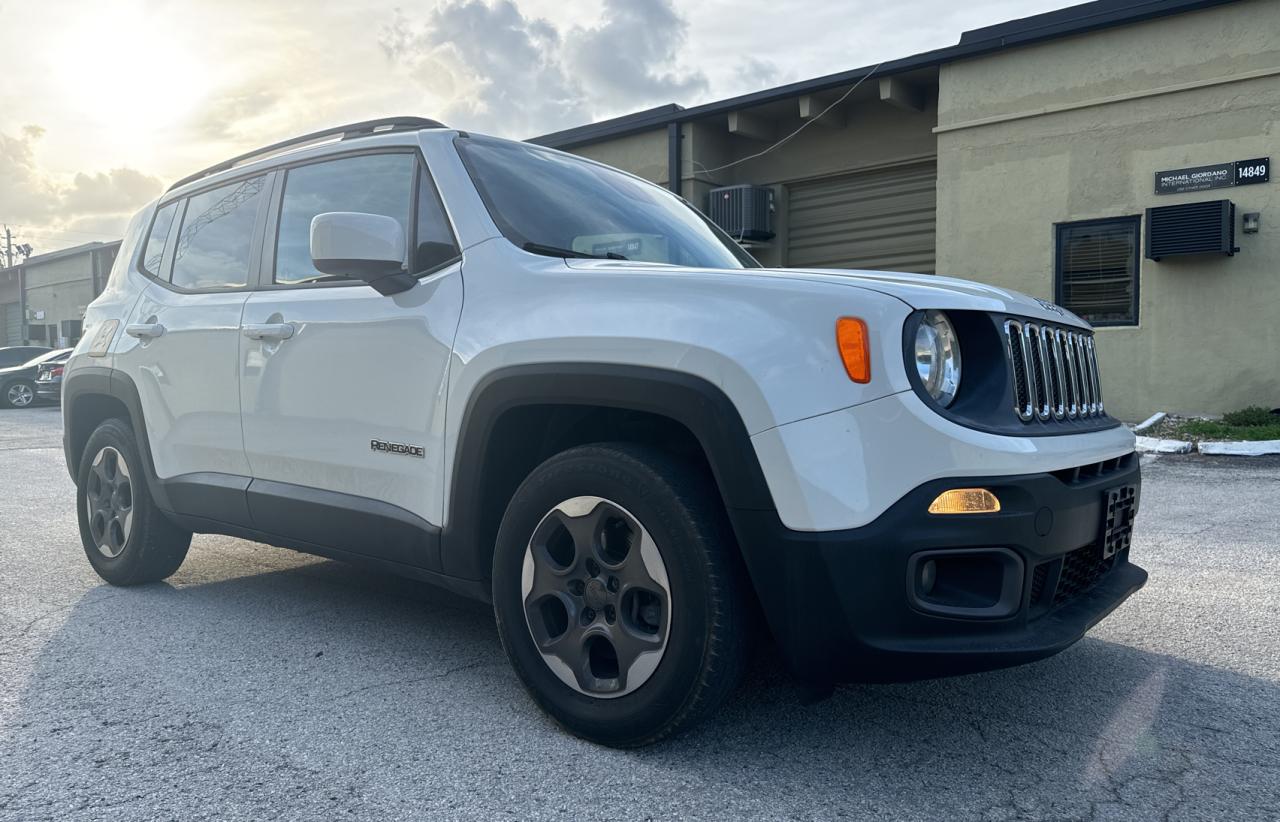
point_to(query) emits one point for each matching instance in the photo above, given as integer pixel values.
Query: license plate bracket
(1119, 506)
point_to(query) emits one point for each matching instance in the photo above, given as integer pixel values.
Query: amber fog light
(965, 501)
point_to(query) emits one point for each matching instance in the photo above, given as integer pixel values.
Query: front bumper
(847, 605)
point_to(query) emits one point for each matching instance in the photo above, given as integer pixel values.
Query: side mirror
(367, 247)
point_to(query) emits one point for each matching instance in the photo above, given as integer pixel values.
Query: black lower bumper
(1005, 588)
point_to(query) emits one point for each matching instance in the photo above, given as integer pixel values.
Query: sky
(103, 103)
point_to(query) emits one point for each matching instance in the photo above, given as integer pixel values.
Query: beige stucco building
(43, 300)
(1026, 156)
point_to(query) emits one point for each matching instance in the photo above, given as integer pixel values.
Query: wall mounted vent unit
(1192, 228)
(745, 212)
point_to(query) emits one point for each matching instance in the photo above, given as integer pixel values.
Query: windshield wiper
(555, 251)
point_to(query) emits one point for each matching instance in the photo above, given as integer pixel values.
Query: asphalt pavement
(258, 684)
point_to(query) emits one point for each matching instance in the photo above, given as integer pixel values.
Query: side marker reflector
(965, 501)
(855, 348)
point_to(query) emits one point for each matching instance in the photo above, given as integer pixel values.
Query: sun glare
(125, 68)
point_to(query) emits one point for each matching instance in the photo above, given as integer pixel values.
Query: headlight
(937, 356)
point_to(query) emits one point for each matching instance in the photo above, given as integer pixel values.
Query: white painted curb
(1242, 448)
(1154, 445)
(1150, 421)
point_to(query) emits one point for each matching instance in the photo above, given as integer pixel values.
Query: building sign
(1220, 175)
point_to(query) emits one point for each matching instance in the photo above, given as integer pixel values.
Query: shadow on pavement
(324, 687)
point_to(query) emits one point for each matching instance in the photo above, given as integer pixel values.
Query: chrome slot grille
(1054, 370)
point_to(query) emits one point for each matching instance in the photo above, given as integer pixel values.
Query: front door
(342, 389)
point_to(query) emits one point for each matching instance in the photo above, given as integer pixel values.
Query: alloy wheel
(109, 493)
(596, 597)
(20, 395)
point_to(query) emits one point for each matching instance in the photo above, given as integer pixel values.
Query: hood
(916, 290)
(932, 291)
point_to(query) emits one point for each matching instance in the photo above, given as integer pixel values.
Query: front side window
(372, 184)
(434, 244)
(549, 203)
(215, 241)
(153, 254)
(1097, 270)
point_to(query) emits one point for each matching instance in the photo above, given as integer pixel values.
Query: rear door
(182, 340)
(342, 388)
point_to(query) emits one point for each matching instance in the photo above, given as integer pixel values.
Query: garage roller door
(883, 219)
(11, 324)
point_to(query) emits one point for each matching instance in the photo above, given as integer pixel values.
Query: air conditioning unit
(745, 212)
(1191, 228)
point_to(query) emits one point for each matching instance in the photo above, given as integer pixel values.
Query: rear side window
(372, 184)
(153, 254)
(215, 242)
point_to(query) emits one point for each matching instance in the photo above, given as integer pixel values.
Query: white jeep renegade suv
(542, 382)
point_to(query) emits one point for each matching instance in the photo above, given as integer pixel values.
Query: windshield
(555, 204)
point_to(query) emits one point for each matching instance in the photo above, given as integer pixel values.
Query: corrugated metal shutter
(883, 219)
(11, 324)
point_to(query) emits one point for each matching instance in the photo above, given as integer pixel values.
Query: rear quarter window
(153, 252)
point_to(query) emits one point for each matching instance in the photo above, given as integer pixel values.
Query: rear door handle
(267, 331)
(143, 331)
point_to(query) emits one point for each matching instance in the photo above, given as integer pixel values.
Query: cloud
(50, 203)
(26, 193)
(629, 58)
(753, 74)
(495, 69)
(231, 113)
(110, 192)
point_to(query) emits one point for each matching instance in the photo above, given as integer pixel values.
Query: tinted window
(1098, 270)
(153, 254)
(17, 356)
(435, 243)
(217, 231)
(373, 184)
(545, 198)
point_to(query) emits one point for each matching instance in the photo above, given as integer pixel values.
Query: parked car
(19, 354)
(49, 377)
(623, 433)
(18, 382)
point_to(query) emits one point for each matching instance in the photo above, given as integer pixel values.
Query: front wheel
(128, 540)
(618, 593)
(19, 394)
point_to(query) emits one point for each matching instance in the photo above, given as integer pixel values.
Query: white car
(542, 382)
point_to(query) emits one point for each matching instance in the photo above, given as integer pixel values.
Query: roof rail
(362, 129)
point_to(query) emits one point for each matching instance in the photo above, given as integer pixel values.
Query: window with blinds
(1097, 269)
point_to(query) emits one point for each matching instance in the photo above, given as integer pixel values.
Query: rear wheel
(127, 539)
(19, 394)
(618, 593)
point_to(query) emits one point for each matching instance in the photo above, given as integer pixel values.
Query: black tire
(26, 388)
(150, 548)
(706, 640)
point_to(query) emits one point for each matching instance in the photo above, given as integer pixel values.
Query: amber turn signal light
(855, 348)
(965, 501)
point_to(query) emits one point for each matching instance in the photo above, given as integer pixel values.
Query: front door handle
(267, 331)
(144, 331)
